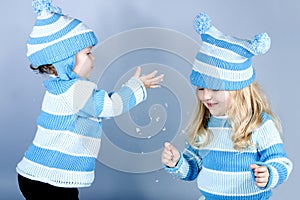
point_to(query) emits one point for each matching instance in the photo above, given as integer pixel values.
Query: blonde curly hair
(244, 115)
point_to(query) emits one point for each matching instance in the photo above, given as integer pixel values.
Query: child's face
(216, 101)
(84, 62)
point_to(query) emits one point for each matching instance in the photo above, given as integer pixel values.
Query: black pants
(35, 190)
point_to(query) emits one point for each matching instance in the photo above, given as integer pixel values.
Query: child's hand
(170, 155)
(149, 80)
(261, 174)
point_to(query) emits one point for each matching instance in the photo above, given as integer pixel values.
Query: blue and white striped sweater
(223, 173)
(67, 141)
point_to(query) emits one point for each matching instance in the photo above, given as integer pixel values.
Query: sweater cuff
(138, 88)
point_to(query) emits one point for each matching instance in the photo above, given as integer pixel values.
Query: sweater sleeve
(102, 104)
(272, 154)
(188, 166)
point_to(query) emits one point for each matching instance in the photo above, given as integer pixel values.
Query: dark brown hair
(45, 69)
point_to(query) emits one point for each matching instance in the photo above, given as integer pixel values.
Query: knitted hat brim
(63, 49)
(204, 81)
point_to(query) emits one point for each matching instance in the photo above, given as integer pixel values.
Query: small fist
(261, 174)
(170, 155)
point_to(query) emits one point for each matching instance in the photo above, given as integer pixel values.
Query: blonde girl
(234, 146)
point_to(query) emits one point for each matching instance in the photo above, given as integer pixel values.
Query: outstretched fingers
(138, 72)
(154, 82)
(149, 80)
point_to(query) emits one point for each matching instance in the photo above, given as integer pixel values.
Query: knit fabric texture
(224, 62)
(224, 174)
(67, 141)
(56, 37)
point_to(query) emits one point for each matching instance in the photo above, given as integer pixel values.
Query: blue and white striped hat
(56, 37)
(224, 62)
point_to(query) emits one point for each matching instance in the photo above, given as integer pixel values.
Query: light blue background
(22, 90)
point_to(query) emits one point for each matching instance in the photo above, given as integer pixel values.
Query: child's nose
(207, 94)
